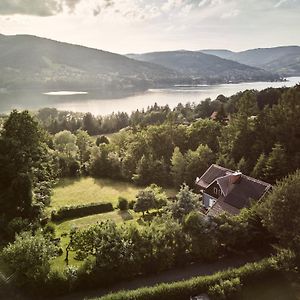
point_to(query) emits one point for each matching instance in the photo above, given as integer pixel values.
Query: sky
(138, 26)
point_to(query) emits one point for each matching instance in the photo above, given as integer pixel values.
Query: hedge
(78, 211)
(225, 280)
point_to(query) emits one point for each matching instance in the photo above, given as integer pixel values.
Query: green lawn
(70, 191)
(116, 215)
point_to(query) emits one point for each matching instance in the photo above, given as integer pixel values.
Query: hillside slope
(284, 61)
(204, 66)
(33, 62)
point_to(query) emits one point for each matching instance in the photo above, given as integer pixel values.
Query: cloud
(286, 3)
(36, 7)
(230, 14)
(29, 7)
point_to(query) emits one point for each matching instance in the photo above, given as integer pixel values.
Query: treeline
(259, 142)
(260, 137)
(55, 121)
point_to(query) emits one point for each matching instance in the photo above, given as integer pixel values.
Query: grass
(84, 190)
(117, 216)
(70, 191)
(63, 228)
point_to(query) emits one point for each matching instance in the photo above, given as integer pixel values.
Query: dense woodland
(255, 132)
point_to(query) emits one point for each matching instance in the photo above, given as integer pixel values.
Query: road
(187, 272)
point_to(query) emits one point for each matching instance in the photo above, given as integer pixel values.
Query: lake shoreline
(93, 102)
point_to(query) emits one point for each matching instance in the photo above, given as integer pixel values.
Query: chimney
(235, 177)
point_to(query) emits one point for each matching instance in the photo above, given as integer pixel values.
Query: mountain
(33, 62)
(30, 62)
(205, 67)
(284, 61)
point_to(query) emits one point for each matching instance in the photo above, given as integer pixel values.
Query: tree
(122, 203)
(178, 163)
(25, 163)
(221, 115)
(186, 201)
(102, 140)
(84, 144)
(145, 200)
(67, 151)
(89, 123)
(276, 165)
(29, 256)
(65, 141)
(197, 162)
(280, 211)
(258, 170)
(202, 232)
(160, 197)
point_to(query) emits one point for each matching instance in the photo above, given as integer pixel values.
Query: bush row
(81, 211)
(221, 285)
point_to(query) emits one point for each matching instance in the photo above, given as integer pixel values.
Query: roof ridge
(222, 168)
(257, 180)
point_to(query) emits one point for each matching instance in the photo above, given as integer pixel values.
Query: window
(216, 191)
(212, 202)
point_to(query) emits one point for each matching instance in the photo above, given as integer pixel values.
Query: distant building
(224, 190)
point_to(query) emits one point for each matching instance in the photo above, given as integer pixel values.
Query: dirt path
(178, 274)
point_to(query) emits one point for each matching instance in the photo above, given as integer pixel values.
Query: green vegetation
(75, 191)
(160, 232)
(85, 222)
(222, 285)
(70, 212)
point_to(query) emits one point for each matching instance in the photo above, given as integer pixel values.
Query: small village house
(224, 190)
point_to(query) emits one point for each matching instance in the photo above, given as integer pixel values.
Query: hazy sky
(125, 26)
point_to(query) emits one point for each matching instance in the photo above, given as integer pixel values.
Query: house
(224, 190)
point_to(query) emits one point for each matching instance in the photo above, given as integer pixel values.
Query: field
(85, 190)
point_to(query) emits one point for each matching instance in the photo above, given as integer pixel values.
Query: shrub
(81, 211)
(122, 203)
(49, 230)
(222, 283)
(225, 289)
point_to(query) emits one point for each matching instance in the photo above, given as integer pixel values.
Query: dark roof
(235, 195)
(212, 173)
(220, 207)
(248, 188)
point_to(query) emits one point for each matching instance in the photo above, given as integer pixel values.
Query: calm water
(82, 101)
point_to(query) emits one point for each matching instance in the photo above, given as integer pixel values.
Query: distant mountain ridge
(33, 62)
(205, 66)
(283, 60)
(30, 62)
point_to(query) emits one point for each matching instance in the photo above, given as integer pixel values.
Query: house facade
(224, 190)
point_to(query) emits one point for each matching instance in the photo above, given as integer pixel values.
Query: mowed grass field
(70, 191)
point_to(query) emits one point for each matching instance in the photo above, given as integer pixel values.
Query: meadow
(83, 190)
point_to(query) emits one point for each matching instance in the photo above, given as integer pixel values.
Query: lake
(84, 101)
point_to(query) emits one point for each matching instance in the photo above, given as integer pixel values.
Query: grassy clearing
(70, 191)
(117, 216)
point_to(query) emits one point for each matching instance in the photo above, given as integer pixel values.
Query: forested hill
(281, 60)
(205, 66)
(32, 62)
